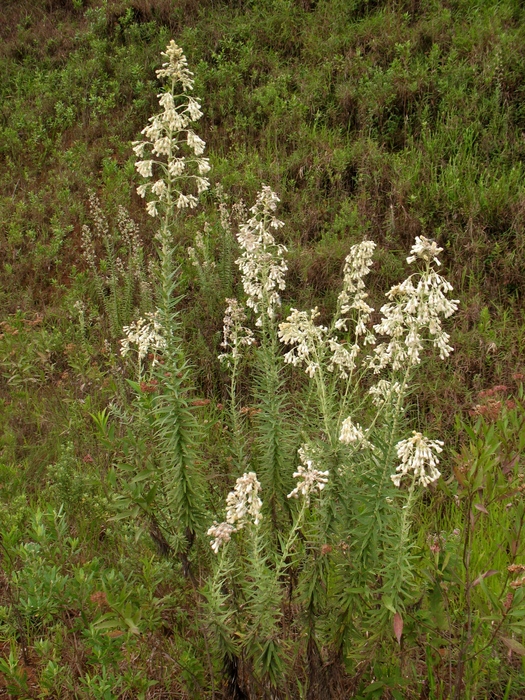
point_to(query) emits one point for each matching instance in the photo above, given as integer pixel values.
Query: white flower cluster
(353, 434)
(383, 391)
(311, 479)
(299, 330)
(168, 136)
(176, 67)
(262, 261)
(242, 503)
(221, 533)
(414, 308)
(417, 456)
(312, 341)
(343, 357)
(235, 334)
(146, 334)
(426, 250)
(357, 266)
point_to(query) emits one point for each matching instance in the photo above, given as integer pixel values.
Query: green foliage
(58, 599)
(15, 675)
(475, 590)
(274, 438)
(76, 489)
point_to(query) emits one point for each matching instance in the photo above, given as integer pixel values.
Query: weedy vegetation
(261, 380)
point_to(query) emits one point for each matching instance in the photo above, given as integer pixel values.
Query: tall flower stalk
(321, 349)
(236, 337)
(171, 161)
(260, 612)
(262, 266)
(410, 320)
(262, 262)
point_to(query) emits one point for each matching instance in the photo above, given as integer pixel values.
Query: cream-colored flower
(243, 505)
(244, 502)
(262, 263)
(151, 208)
(426, 250)
(202, 184)
(203, 165)
(358, 264)
(343, 357)
(353, 434)
(176, 67)
(236, 335)
(310, 478)
(176, 166)
(177, 150)
(194, 109)
(414, 313)
(383, 391)
(417, 456)
(146, 333)
(300, 331)
(185, 201)
(159, 188)
(222, 533)
(195, 142)
(144, 167)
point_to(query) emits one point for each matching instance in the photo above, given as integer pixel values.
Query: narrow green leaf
(514, 646)
(490, 572)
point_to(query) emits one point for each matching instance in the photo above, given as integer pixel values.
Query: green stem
(385, 475)
(402, 546)
(237, 446)
(291, 539)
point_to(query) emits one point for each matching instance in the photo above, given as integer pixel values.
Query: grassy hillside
(370, 120)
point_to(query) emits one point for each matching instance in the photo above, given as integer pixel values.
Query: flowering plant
(415, 306)
(174, 149)
(319, 519)
(235, 334)
(417, 456)
(310, 478)
(262, 263)
(243, 503)
(170, 158)
(147, 335)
